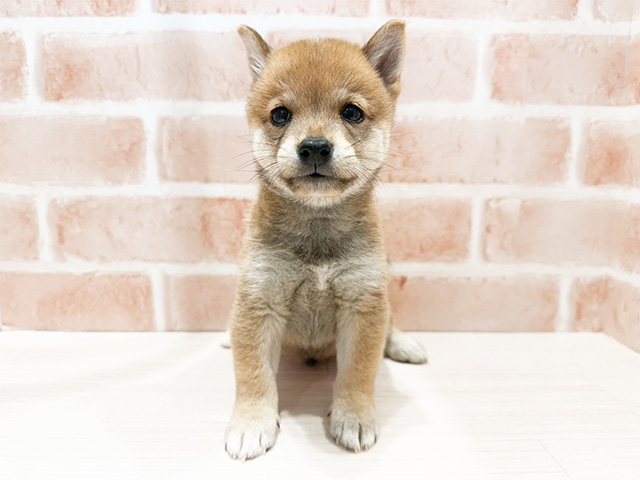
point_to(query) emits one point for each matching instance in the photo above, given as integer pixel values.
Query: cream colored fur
(313, 269)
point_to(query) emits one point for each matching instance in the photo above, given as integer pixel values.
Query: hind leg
(402, 348)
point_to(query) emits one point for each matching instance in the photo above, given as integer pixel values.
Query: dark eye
(280, 116)
(352, 114)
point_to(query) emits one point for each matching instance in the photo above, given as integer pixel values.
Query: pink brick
(530, 151)
(618, 10)
(172, 65)
(76, 302)
(72, 150)
(148, 229)
(609, 306)
(521, 304)
(519, 11)
(280, 38)
(199, 302)
(71, 8)
(205, 149)
(18, 229)
(566, 69)
(438, 67)
(426, 230)
(598, 233)
(613, 154)
(261, 7)
(13, 66)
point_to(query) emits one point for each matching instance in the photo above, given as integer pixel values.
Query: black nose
(315, 151)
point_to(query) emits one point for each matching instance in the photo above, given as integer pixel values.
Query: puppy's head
(321, 112)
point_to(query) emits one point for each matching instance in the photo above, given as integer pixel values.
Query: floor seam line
(555, 459)
(615, 399)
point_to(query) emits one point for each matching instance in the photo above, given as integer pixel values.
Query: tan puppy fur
(313, 270)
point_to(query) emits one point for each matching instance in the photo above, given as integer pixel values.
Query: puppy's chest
(321, 277)
(313, 306)
(315, 292)
(306, 296)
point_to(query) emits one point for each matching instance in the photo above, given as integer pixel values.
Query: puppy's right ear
(257, 49)
(385, 51)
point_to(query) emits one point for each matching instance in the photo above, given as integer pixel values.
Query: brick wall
(512, 198)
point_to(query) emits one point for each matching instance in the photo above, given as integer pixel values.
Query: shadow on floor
(305, 393)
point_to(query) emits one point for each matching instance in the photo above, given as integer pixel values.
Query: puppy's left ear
(385, 51)
(257, 50)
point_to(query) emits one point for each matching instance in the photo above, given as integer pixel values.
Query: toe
(354, 431)
(233, 444)
(247, 439)
(368, 437)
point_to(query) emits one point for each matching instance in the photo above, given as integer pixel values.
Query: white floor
(155, 405)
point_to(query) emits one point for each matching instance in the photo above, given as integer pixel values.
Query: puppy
(313, 269)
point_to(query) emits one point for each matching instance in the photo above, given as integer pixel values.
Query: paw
(402, 348)
(355, 431)
(250, 437)
(225, 341)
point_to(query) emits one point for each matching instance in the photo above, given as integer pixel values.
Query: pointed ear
(385, 51)
(257, 49)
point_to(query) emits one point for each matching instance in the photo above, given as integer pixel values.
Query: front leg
(256, 341)
(361, 333)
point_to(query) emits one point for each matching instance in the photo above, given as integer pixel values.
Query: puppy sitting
(313, 270)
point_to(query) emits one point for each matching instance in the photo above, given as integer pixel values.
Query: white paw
(402, 348)
(355, 431)
(248, 438)
(225, 342)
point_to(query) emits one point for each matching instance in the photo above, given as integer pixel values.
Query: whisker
(398, 134)
(247, 153)
(355, 143)
(249, 139)
(254, 160)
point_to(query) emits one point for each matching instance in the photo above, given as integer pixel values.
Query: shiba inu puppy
(313, 269)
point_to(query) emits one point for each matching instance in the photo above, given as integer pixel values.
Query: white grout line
(408, 111)
(131, 267)
(577, 159)
(586, 10)
(477, 228)
(386, 191)
(164, 190)
(44, 232)
(471, 191)
(563, 322)
(152, 179)
(31, 40)
(144, 7)
(508, 270)
(131, 108)
(410, 269)
(493, 109)
(482, 92)
(157, 286)
(377, 10)
(627, 60)
(147, 21)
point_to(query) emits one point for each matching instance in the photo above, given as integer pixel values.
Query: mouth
(318, 185)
